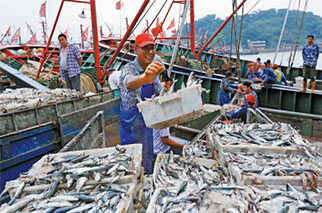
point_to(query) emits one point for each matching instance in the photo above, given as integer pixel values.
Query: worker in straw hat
(139, 80)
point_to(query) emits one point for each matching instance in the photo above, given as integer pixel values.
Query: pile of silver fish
(24, 98)
(200, 150)
(275, 164)
(259, 134)
(79, 183)
(185, 181)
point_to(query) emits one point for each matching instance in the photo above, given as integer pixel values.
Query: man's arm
(168, 141)
(80, 61)
(135, 82)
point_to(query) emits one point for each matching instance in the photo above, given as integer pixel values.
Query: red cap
(143, 40)
(275, 65)
(251, 98)
(250, 64)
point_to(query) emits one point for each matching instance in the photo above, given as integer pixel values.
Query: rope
(87, 83)
(298, 36)
(156, 15)
(226, 33)
(143, 16)
(293, 34)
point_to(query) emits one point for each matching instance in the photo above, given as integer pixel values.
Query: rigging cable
(298, 36)
(143, 16)
(293, 34)
(226, 33)
(156, 15)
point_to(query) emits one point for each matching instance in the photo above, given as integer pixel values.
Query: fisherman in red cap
(280, 77)
(242, 113)
(139, 80)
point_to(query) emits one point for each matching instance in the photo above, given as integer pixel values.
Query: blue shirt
(129, 97)
(269, 74)
(310, 55)
(226, 86)
(73, 54)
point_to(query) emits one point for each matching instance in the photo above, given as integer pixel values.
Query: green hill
(264, 26)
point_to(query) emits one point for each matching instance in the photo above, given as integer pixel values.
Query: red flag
(157, 29)
(206, 35)
(66, 33)
(199, 30)
(163, 35)
(42, 11)
(110, 35)
(171, 24)
(29, 28)
(9, 31)
(16, 36)
(33, 39)
(118, 5)
(85, 35)
(174, 32)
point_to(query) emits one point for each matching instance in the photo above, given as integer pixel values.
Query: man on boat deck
(250, 100)
(280, 77)
(69, 61)
(310, 55)
(139, 80)
(226, 88)
(247, 88)
(269, 77)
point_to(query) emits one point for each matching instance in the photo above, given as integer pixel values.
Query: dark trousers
(72, 82)
(309, 72)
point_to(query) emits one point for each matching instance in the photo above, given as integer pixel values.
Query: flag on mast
(42, 11)
(33, 39)
(16, 36)
(9, 31)
(171, 25)
(85, 35)
(66, 33)
(118, 5)
(29, 28)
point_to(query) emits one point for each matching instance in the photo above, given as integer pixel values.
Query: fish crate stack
(172, 108)
(267, 154)
(182, 182)
(98, 179)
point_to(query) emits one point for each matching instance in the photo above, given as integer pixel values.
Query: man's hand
(261, 84)
(238, 90)
(240, 86)
(151, 72)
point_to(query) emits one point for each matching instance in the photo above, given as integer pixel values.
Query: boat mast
(94, 31)
(282, 32)
(220, 28)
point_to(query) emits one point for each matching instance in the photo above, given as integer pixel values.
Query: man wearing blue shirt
(226, 88)
(310, 55)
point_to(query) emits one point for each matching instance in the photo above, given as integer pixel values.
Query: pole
(282, 31)
(127, 34)
(44, 32)
(49, 40)
(166, 15)
(81, 28)
(95, 40)
(192, 27)
(220, 28)
(174, 53)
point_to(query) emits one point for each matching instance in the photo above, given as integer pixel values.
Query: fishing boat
(34, 132)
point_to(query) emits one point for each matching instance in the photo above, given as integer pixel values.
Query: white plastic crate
(179, 107)
(39, 168)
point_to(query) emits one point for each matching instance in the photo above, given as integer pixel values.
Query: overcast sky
(17, 12)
